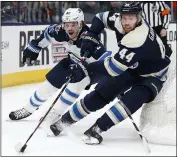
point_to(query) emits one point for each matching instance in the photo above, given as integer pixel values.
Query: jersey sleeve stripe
(32, 48)
(160, 75)
(46, 35)
(103, 18)
(108, 53)
(113, 67)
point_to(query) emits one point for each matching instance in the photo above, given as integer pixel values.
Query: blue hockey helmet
(130, 8)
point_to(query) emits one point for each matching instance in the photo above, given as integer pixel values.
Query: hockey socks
(133, 99)
(35, 101)
(76, 113)
(69, 96)
(113, 116)
(45, 91)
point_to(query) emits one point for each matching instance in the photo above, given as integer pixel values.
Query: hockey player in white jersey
(70, 31)
(139, 65)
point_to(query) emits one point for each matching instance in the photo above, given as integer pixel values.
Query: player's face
(71, 29)
(129, 22)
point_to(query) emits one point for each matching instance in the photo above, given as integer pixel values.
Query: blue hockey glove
(89, 44)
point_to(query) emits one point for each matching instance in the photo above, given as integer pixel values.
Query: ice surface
(121, 140)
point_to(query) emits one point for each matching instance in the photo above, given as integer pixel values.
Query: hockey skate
(52, 117)
(19, 114)
(59, 126)
(92, 135)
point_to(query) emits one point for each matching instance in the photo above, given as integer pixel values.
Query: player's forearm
(36, 45)
(33, 46)
(107, 67)
(98, 23)
(97, 68)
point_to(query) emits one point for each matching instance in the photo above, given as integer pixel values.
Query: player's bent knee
(154, 86)
(136, 97)
(94, 101)
(57, 75)
(46, 90)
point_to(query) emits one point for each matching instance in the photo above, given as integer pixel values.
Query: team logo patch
(83, 34)
(57, 28)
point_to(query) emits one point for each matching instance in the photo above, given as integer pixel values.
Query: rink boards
(16, 38)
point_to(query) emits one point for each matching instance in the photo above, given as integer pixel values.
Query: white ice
(121, 140)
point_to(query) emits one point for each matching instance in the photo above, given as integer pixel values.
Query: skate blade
(90, 140)
(50, 133)
(22, 120)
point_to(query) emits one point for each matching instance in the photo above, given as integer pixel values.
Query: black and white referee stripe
(151, 11)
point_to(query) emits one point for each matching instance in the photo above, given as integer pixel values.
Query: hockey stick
(19, 146)
(136, 127)
(80, 61)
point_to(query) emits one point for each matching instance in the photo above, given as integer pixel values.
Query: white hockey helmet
(73, 15)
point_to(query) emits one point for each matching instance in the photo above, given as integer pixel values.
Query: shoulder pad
(137, 37)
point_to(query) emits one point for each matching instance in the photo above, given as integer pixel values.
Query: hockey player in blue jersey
(70, 31)
(138, 69)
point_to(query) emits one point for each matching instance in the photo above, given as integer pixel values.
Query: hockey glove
(89, 44)
(77, 72)
(30, 54)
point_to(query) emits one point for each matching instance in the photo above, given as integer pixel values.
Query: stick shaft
(136, 127)
(49, 110)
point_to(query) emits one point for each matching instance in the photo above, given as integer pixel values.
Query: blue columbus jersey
(141, 49)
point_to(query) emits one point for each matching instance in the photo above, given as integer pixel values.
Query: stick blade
(146, 145)
(20, 148)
